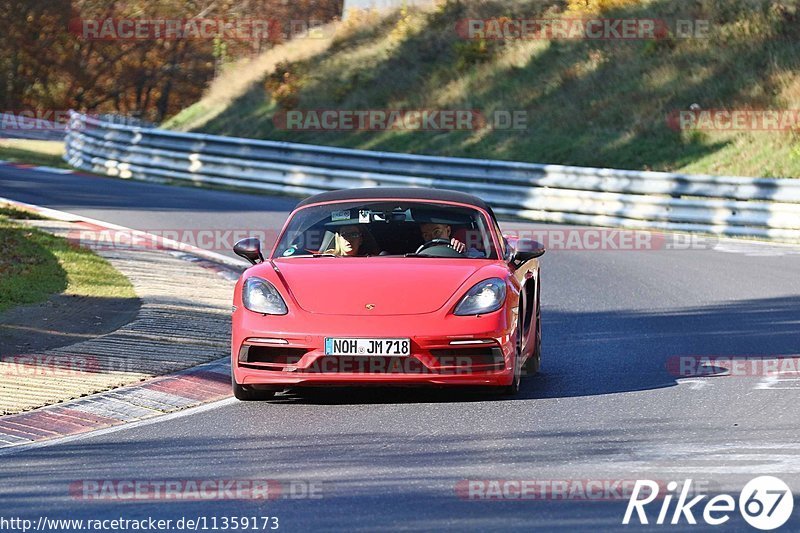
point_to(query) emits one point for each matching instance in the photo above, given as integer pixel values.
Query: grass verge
(43, 153)
(35, 264)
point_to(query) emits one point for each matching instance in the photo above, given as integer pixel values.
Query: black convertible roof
(400, 193)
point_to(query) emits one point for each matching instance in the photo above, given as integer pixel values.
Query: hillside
(588, 102)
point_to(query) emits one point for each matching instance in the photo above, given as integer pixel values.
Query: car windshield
(387, 228)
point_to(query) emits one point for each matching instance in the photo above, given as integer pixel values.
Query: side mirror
(527, 249)
(250, 249)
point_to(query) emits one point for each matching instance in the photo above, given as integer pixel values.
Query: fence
(766, 208)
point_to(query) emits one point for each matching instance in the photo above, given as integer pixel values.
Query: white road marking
(694, 384)
(113, 429)
(54, 170)
(756, 248)
(699, 458)
(64, 216)
(786, 380)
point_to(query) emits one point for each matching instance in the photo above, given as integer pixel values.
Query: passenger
(352, 241)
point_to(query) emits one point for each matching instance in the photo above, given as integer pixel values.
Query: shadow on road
(587, 354)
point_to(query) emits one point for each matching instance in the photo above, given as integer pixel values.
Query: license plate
(367, 347)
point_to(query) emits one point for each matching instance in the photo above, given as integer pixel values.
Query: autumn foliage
(48, 61)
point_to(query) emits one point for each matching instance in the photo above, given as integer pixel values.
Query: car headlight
(484, 297)
(261, 296)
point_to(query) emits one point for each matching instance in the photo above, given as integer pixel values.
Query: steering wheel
(434, 242)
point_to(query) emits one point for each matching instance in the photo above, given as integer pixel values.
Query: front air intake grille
(276, 355)
(482, 359)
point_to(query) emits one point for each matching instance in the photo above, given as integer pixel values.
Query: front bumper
(471, 351)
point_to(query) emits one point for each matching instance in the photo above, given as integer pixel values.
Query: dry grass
(239, 77)
(34, 152)
(594, 103)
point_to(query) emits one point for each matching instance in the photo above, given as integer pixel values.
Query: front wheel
(534, 362)
(249, 394)
(516, 379)
(513, 389)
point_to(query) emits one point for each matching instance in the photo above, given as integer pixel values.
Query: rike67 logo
(765, 503)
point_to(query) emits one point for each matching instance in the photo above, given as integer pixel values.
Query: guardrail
(726, 205)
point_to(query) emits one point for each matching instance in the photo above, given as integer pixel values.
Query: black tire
(249, 394)
(534, 362)
(513, 388)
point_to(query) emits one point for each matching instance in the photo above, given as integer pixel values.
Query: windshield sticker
(363, 216)
(340, 215)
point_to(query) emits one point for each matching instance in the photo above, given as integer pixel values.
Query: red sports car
(386, 286)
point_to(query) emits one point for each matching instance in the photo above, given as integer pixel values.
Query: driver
(432, 231)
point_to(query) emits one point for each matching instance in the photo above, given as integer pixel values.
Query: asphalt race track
(605, 408)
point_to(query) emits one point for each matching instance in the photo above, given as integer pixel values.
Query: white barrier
(726, 205)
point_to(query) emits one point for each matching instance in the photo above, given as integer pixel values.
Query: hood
(394, 286)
